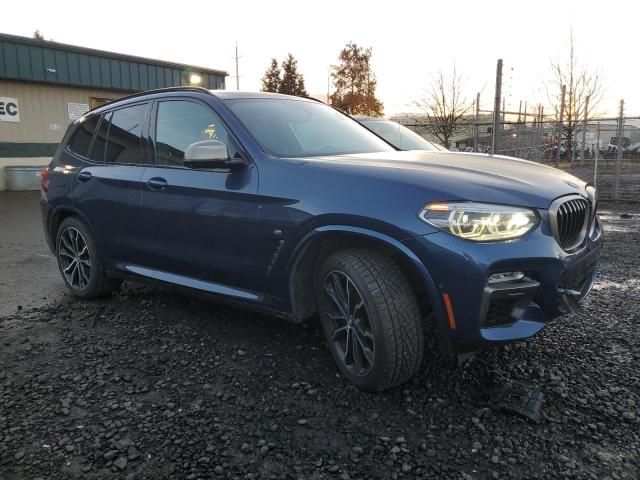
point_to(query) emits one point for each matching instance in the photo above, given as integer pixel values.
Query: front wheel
(370, 318)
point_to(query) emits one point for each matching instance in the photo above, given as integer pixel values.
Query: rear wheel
(370, 318)
(78, 260)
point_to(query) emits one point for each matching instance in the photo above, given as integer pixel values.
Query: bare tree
(443, 106)
(581, 83)
(38, 35)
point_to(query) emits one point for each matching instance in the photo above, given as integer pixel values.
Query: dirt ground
(151, 385)
(28, 272)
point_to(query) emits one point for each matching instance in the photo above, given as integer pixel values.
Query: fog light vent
(506, 277)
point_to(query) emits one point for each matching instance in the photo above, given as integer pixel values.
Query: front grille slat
(570, 220)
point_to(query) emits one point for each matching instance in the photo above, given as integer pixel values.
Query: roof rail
(151, 92)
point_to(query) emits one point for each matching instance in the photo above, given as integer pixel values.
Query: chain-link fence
(604, 151)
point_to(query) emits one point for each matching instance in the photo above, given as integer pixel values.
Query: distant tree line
(285, 78)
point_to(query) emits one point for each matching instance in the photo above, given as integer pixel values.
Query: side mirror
(207, 154)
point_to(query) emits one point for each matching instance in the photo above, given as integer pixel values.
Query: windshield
(300, 128)
(399, 135)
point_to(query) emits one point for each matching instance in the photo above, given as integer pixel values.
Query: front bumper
(483, 315)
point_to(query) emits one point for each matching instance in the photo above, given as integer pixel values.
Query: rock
(110, 455)
(122, 444)
(218, 470)
(121, 463)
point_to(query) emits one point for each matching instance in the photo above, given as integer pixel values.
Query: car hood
(462, 176)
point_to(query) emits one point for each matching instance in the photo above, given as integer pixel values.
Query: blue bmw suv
(287, 206)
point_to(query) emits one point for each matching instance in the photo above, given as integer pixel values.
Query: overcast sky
(411, 40)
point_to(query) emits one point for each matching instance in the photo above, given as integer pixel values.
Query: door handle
(156, 183)
(84, 176)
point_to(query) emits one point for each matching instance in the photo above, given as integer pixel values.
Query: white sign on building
(76, 110)
(9, 110)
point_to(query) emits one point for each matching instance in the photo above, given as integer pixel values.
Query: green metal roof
(29, 59)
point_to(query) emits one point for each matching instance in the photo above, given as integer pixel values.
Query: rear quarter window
(81, 138)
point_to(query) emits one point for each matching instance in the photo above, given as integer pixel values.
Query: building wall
(44, 114)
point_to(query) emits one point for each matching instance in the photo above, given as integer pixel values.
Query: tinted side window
(100, 140)
(124, 143)
(81, 139)
(181, 123)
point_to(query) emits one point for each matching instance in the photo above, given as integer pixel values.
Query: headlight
(480, 222)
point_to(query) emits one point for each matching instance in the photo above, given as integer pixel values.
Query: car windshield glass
(399, 135)
(299, 128)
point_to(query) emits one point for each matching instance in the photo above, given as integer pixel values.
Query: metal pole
(616, 189)
(237, 74)
(496, 108)
(584, 128)
(595, 165)
(560, 122)
(539, 134)
(476, 128)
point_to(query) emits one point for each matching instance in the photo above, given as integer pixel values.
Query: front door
(199, 225)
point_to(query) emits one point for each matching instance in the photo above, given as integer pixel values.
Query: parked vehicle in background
(398, 135)
(285, 205)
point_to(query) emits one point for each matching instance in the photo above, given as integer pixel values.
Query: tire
(385, 324)
(79, 262)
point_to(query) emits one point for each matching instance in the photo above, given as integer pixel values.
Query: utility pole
(496, 107)
(584, 129)
(237, 74)
(476, 129)
(616, 189)
(595, 165)
(560, 123)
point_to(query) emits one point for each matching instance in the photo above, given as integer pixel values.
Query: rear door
(199, 224)
(107, 189)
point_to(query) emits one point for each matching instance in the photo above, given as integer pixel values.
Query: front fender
(419, 271)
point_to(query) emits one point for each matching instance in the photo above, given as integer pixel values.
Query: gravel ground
(152, 385)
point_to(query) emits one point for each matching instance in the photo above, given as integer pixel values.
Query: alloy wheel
(347, 323)
(75, 261)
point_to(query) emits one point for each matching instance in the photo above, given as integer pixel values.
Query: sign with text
(9, 110)
(76, 110)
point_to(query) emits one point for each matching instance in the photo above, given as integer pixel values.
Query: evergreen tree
(355, 83)
(292, 82)
(271, 80)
